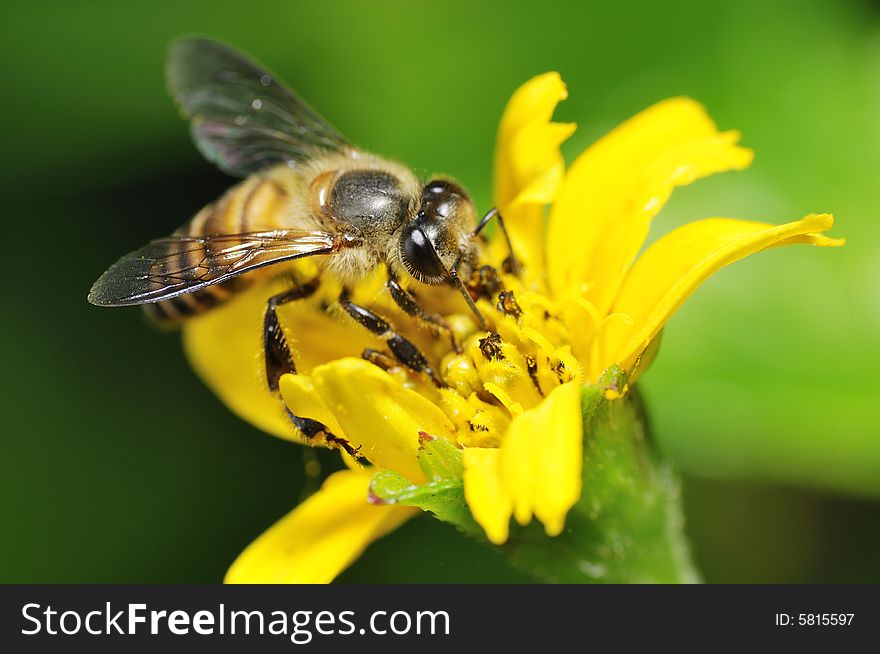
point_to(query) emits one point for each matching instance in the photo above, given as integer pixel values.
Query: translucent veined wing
(168, 267)
(242, 118)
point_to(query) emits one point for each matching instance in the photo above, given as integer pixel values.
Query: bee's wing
(243, 119)
(175, 265)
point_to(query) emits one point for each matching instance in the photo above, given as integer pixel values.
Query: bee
(307, 192)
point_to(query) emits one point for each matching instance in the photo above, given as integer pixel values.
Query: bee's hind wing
(242, 118)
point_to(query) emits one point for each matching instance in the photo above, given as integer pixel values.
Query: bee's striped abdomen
(255, 204)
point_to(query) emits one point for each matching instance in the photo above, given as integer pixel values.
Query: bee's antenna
(453, 272)
(494, 213)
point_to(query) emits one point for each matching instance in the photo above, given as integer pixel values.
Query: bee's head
(434, 239)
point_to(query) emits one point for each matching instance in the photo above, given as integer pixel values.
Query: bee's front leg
(402, 349)
(278, 358)
(405, 300)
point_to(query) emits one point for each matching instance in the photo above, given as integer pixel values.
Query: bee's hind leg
(279, 361)
(316, 433)
(402, 349)
(278, 358)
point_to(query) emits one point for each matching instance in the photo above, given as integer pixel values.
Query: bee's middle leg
(402, 348)
(278, 357)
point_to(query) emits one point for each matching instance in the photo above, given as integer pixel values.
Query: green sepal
(443, 498)
(439, 459)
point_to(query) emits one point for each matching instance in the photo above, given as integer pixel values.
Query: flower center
(493, 375)
(501, 373)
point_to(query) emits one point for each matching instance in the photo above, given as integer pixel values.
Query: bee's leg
(403, 349)
(279, 359)
(379, 359)
(410, 306)
(317, 433)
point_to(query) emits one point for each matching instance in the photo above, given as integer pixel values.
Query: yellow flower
(510, 399)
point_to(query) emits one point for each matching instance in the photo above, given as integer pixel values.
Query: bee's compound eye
(419, 256)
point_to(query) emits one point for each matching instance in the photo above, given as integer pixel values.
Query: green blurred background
(119, 466)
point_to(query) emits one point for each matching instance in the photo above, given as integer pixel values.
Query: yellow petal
(485, 492)
(321, 537)
(669, 271)
(603, 211)
(537, 163)
(542, 457)
(528, 165)
(537, 470)
(374, 411)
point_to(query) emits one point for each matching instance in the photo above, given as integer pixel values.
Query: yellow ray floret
(536, 471)
(673, 267)
(528, 164)
(615, 188)
(320, 537)
(373, 411)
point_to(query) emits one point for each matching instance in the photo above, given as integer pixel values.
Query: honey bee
(307, 192)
